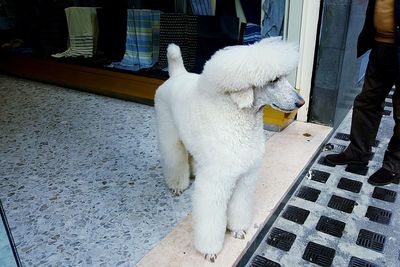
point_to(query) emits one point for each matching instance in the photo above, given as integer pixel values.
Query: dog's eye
(276, 80)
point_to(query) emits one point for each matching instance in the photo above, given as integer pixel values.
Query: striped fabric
(252, 34)
(201, 7)
(142, 40)
(82, 30)
(182, 30)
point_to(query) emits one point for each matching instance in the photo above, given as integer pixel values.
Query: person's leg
(368, 108)
(391, 162)
(369, 104)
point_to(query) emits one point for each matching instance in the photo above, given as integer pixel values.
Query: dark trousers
(382, 73)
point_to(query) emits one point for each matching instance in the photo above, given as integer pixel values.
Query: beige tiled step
(287, 154)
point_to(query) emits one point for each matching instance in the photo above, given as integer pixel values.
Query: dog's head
(279, 94)
(255, 75)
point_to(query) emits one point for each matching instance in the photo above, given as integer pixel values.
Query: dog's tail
(175, 61)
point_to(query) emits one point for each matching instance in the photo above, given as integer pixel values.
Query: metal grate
(329, 220)
(357, 262)
(346, 137)
(378, 215)
(308, 193)
(281, 239)
(330, 226)
(371, 240)
(384, 194)
(349, 185)
(260, 261)
(342, 204)
(339, 148)
(319, 176)
(322, 161)
(295, 214)
(357, 169)
(342, 136)
(318, 254)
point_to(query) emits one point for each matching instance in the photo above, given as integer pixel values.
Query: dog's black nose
(300, 103)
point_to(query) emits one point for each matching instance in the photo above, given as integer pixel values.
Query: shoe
(342, 159)
(382, 177)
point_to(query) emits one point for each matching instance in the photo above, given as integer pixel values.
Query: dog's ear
(243, 98)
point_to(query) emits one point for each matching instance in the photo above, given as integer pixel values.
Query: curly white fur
(216, 118)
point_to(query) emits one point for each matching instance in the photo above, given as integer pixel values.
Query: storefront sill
(287, 154)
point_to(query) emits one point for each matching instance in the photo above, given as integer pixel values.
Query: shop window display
(132, 35)
(127, 35)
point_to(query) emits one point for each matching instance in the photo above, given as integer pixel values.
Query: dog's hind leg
(240, 207)
(174, 157)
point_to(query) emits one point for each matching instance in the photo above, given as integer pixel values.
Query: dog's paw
(176, 192)
(239, 234)
(210, 257)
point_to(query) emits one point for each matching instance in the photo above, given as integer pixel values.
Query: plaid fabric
(83, 32)
(142, 40)
(201, 7)
(252, 34)
(181, 30)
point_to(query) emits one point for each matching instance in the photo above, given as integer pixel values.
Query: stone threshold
(287, 154)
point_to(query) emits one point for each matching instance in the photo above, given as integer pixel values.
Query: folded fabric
(82, 30)
(252, 33)
(201, 7)
(180, 29)
(274, 13)
(142, 40)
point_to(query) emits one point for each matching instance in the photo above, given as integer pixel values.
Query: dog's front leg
(210, 201)
(240, 207)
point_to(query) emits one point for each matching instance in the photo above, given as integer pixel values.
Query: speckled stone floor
(80, 178)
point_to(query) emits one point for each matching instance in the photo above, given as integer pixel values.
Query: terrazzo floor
(80, 177)
(81, 182)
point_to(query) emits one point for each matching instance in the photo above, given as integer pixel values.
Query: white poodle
(214, 120)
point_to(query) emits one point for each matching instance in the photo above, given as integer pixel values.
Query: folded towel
(142, 40)
(82, 30)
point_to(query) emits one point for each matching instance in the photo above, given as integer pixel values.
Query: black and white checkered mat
(334, 217)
